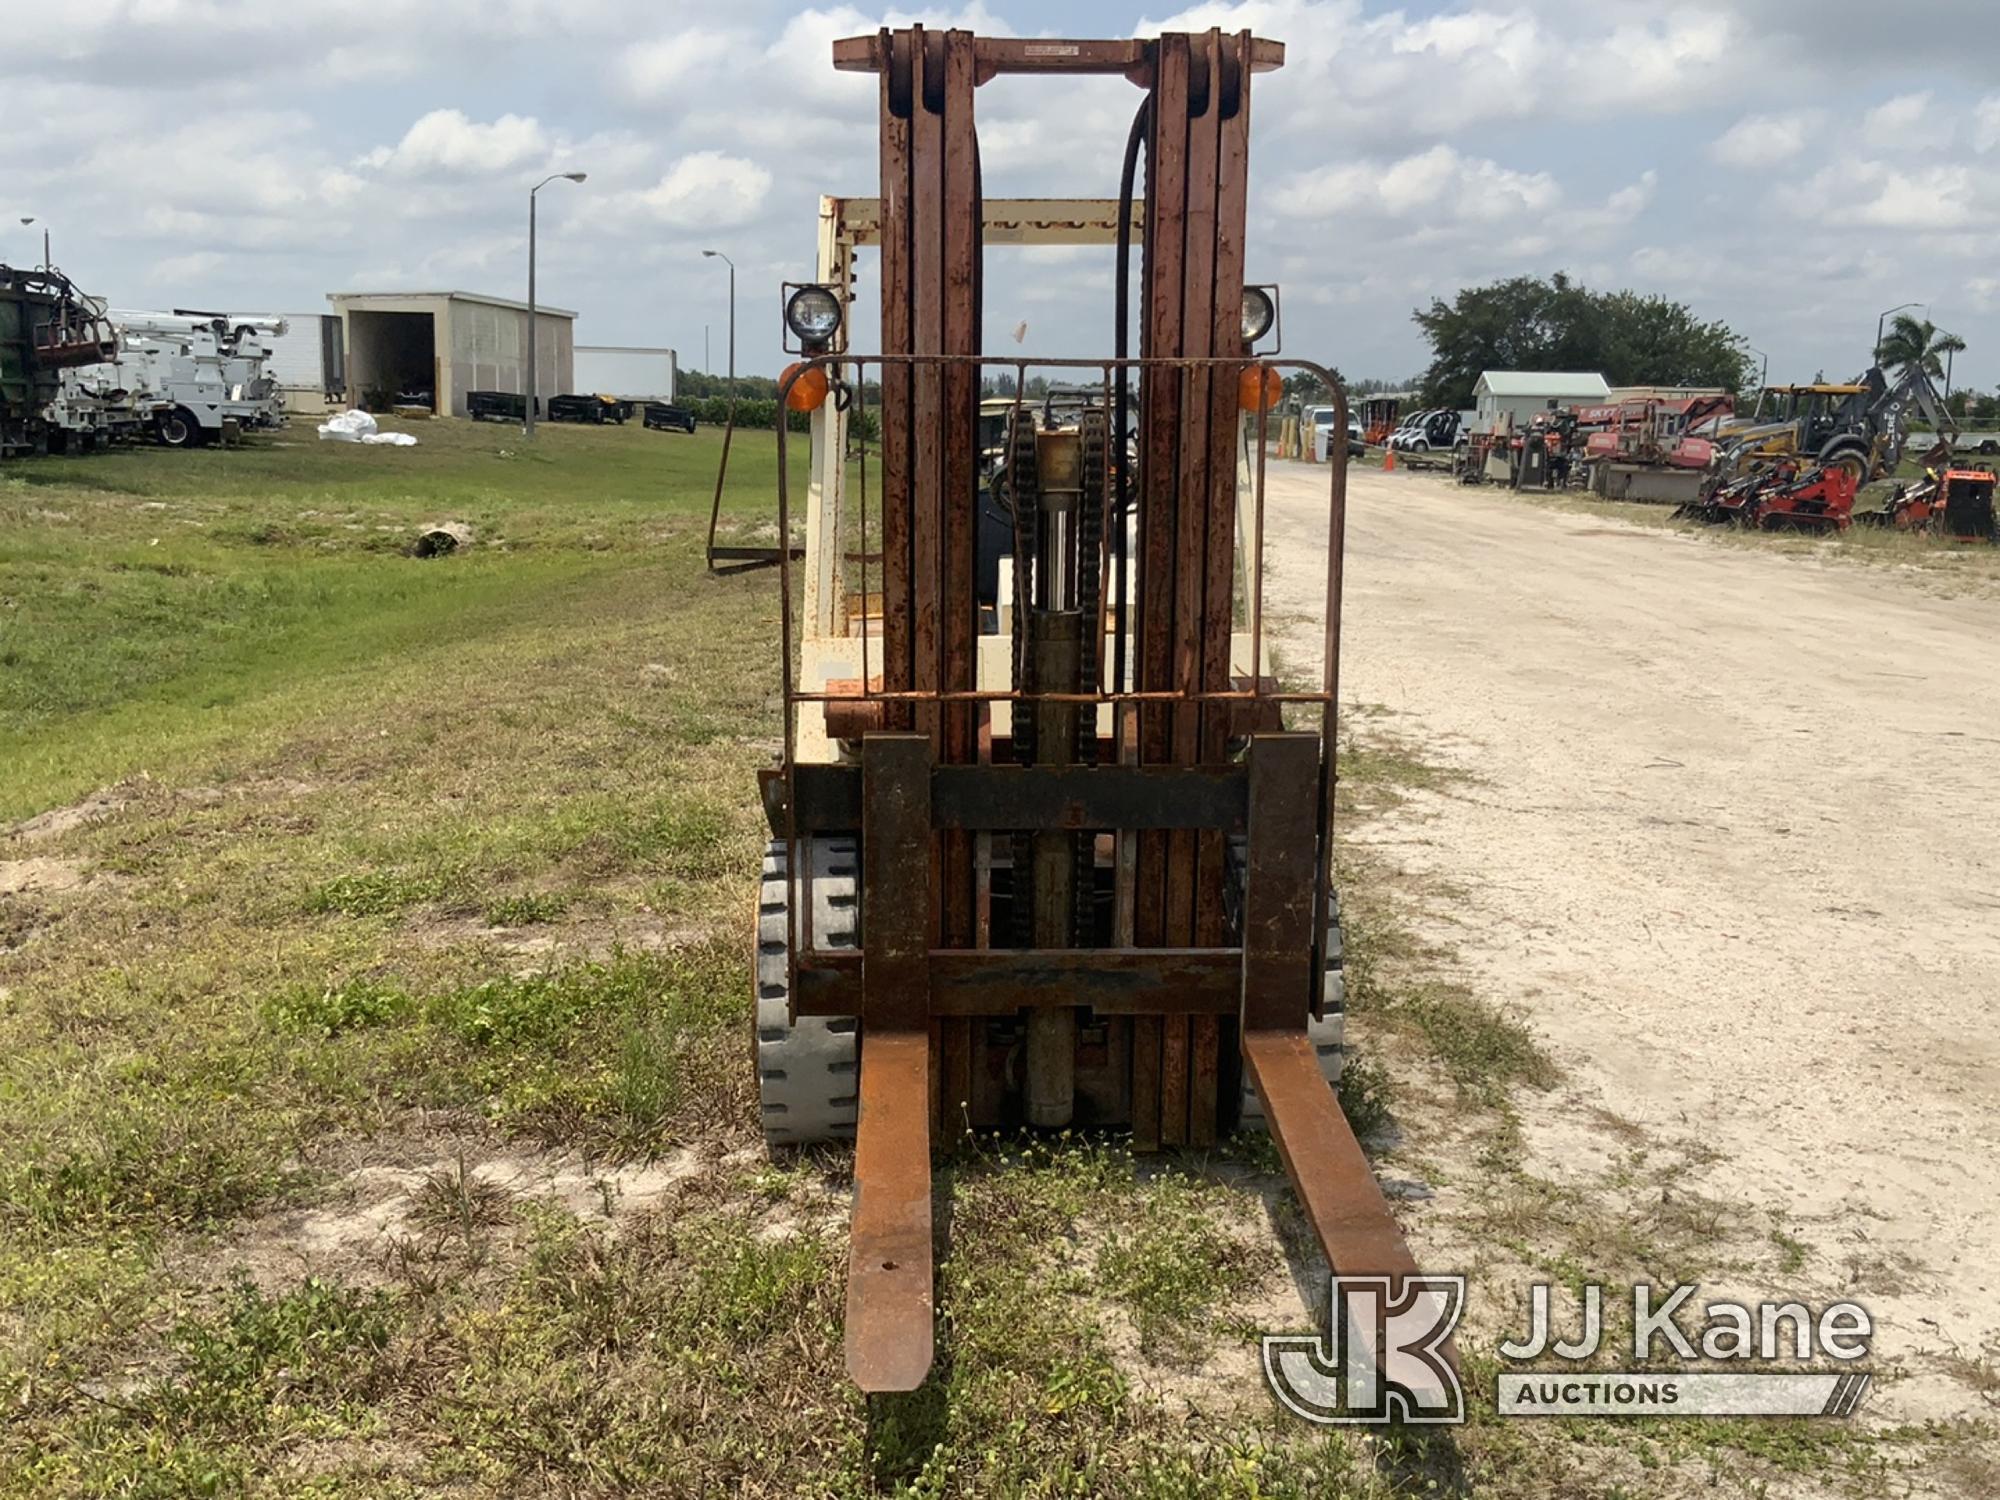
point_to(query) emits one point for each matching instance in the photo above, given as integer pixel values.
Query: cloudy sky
(1791, 168)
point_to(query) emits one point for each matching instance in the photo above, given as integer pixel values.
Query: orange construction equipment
(1956, 504)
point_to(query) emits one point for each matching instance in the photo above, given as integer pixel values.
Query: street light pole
(728, 427)
(1763, 375)
(718, 255)
(1876, 357)
(46, 262)
(534, 350)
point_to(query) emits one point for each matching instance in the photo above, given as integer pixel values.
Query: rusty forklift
(1053, 858)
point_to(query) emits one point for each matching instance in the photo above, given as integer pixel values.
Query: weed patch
(379, 893)
(136, 1168)
(336, 1008)
(528, 910)
(259, 1357)
(1172, 1265)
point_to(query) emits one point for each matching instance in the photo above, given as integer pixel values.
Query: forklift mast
(1106, 875)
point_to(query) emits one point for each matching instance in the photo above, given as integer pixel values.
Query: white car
(1322, 416)
(1440, 427)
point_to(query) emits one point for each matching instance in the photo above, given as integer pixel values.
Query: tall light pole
(718, 255)
(728, 427)
(534, 353)
(1763, 375)
(1876, 357)
(46, 263)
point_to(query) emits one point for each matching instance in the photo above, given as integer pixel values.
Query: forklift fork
(890, 1268)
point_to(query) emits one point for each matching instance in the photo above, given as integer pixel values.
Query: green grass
(412, 887)
(246, 580)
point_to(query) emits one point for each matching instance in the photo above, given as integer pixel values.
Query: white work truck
(187, 378)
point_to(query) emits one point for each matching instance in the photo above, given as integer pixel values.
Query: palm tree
(1918, 341)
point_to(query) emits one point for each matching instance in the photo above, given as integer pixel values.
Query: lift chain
(1023, 490)
(1093, 433)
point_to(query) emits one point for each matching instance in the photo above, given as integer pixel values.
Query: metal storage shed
(449, 343)
(1519, 394)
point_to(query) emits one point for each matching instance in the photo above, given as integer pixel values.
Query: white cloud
(178, 269)
(1431, 185)
(1591, 225)
(709, 190)
(1387, 77)
(1402, 152)
(1765, 140)
(445, 141)
(1900, 122)
(1986, 123)
(659, 69)
(1883, 195)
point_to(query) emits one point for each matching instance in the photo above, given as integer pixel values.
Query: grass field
(373, 1054)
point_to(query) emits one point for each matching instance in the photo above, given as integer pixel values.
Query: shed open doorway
(392, 359)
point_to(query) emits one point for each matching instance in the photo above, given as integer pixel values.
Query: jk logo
(1382, 1359)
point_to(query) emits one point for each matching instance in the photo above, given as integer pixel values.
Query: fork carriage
(1045, 853)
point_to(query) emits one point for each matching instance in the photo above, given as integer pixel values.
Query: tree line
(1527, 323)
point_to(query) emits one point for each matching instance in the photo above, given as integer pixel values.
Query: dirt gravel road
(1730, 843)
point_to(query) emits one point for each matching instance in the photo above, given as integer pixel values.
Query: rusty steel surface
(1279, 887)
(897, 937)
(1218, 325)
(959, 628)
(889, 1272)
(1127, 57)
(1000, 981)
(1329, 1172)
(927, 508)
(1000, 797)
(1194, 867)
(897, 377)
(1162, 281)
(889, 1258)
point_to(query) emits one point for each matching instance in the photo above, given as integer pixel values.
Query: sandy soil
(1731, 845)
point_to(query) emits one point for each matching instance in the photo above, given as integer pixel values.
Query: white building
(449, 343)
(1519, 394)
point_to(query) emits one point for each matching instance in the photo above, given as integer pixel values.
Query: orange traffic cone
(1388, 460)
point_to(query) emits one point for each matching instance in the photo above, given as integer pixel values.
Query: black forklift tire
(808, 1070)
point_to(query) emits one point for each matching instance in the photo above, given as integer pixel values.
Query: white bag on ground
(360, 427)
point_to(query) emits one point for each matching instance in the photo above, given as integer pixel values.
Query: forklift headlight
(1260, 311)
(813, 315)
